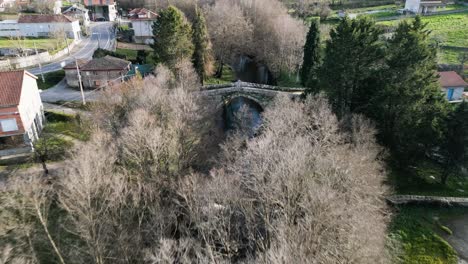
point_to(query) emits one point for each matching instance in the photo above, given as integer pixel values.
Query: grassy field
(228, 76)
(51, 79)
(450, 29)
(131, 55)
(42, 43)
(68, 125)
(419, 231)
(425, 180)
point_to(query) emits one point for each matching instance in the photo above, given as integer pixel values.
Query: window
(8, 125)
(450, 94)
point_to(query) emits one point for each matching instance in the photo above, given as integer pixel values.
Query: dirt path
(459, 239)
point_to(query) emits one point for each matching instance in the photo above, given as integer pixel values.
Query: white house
(45, 25)
(452, 85)
(142, 24)
(423, 6)
(21, 112)
(5, 4)
(40, 26)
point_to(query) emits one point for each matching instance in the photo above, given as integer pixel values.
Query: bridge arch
(229, 98)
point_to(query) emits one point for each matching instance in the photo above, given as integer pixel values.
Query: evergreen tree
(172, 37)
(311, 59)
(410, 110)
(353, 56)
(454, 150)
(202, 59)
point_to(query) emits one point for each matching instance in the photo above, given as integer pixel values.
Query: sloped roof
(135, 13)
(99, 2)
(72, 65)
(451, 79)
(74, 9)
(44, 19)
(105, 64)
(11, 84)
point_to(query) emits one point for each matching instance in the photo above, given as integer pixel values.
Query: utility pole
(99, 40)
(79, 81)
(39, 62)
(66, 41)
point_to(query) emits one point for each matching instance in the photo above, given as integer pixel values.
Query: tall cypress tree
(454, 148)
(172, 37)
(410, 110)
(353, 56)
(311, 59)
(202, 54)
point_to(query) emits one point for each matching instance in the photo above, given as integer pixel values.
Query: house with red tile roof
(21, 112)
(142, 24)
(452, 85)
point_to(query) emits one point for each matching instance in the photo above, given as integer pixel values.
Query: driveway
(102, 36)
(459, 239)
(61, 92)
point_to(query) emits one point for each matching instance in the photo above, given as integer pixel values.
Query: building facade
(21, 112)
(98, 72)
(423, 6)
(101, 9)
(41, 26)
(142, 24)
(452, 85)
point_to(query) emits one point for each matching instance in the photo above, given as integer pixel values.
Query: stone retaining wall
(419, 199)
(28, 61)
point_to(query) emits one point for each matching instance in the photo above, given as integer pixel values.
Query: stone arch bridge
(261, 94)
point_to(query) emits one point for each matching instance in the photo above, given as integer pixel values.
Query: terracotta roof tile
(98, 2)
(72, 65)
(44, 19)
(104, 64)
(11, 84)
(451, 79)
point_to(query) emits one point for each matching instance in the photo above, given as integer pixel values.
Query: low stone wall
(252, 85)
(419, 199)
(13, 152)
(28, 61)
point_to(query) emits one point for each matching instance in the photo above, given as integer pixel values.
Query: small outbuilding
(97, 72)
(423, 6)
(452, 85)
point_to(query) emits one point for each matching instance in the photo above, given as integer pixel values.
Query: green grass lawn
(42, 43)
(131, 55)
(448, 56)
(451, 28)
(419, 232)
(63, 124)
(228, 76)
(288, 80)
(51, 79)
(425, 180)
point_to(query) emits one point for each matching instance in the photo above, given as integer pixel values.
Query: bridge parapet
(222, 94)
(240, 84)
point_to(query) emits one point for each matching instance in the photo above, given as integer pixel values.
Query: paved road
(459, 239)
(102, 36)
(61, 92)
